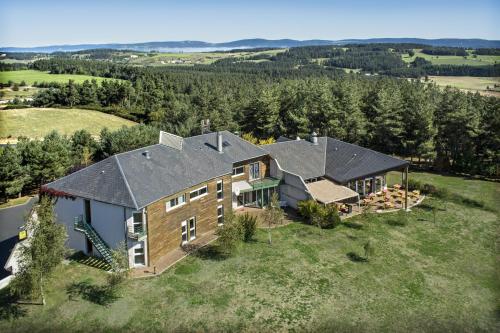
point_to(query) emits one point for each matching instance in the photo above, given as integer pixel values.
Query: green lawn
(480, 60)
(31, 76)
(37, 122)
(425, 276)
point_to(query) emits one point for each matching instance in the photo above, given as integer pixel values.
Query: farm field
(23, 92)
(32, 76)
(481, 60)
(37, 122)
(469, 83)
(204, 58)
(435, 272)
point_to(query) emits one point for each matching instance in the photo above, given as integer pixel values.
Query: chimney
(146, 154)
(219, 142)
(297, 138)
(314, 138)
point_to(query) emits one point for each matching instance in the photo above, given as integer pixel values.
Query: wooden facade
(263, 168)
(164, 228)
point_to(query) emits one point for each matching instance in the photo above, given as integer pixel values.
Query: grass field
(469, 83)
(31, 76)
(37, 122)
(194, 58)
(23, 92)
(424, 276)
(481, 60)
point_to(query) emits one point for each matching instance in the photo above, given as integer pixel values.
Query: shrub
(229, 233)
(369, 249)
(308, 209)
(429, 189)
(331, 217)
(414, 185)
(248, 225)
(324, 217)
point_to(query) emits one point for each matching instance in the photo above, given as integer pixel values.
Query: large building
(161, 197)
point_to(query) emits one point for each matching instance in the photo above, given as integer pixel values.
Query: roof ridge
(324, 161)
(374, 151)
(126, 182)
(78, 171)
(130, 151)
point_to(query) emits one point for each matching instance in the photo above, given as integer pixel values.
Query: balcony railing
(137, 232)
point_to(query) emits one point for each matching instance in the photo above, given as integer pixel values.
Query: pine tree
(13, 176)
(386, 125)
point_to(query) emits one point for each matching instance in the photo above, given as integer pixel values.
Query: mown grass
(480, 60)
(15, 201)
(424, 276)
(37, 122)
(32, 76)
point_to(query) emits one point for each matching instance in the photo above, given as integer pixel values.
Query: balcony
(137, 232)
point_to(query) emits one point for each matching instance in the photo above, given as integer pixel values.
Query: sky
(25, 23)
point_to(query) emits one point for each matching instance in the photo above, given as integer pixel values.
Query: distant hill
(197, 46)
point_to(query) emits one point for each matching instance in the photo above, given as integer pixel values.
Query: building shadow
(9, 308)
(6, 247)
(97, 294)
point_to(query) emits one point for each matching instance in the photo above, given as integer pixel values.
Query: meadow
(37, 122)
(32, 76)
(470, 83)
(434, 269)
(194, 58)
(480, 60)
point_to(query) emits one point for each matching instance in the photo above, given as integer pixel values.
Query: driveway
(10, 220)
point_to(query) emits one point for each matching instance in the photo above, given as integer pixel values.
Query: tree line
(31, 163)
(406, 118)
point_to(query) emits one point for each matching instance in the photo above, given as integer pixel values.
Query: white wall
(108, 220)
(66, 210)
(293, 189)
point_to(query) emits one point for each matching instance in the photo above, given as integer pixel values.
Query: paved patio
(391, 199)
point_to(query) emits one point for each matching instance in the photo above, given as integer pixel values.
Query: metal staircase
(94, 238)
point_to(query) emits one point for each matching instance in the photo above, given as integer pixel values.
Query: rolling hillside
(190, 46)
(32, 76)
(37, 122)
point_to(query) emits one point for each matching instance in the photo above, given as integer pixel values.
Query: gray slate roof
(102, 181)
(300, 157)
(130, 179)
(335, 159)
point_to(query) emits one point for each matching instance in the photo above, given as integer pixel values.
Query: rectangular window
(176, 202)
(192, 228)
(198, 193)
(137, 223)
(220, 190)
(254, 171)
(139, 258)
(220, 214)
(184, 233)
(238, 171)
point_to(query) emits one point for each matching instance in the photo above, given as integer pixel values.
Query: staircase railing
(94, 237)
(137, 232)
